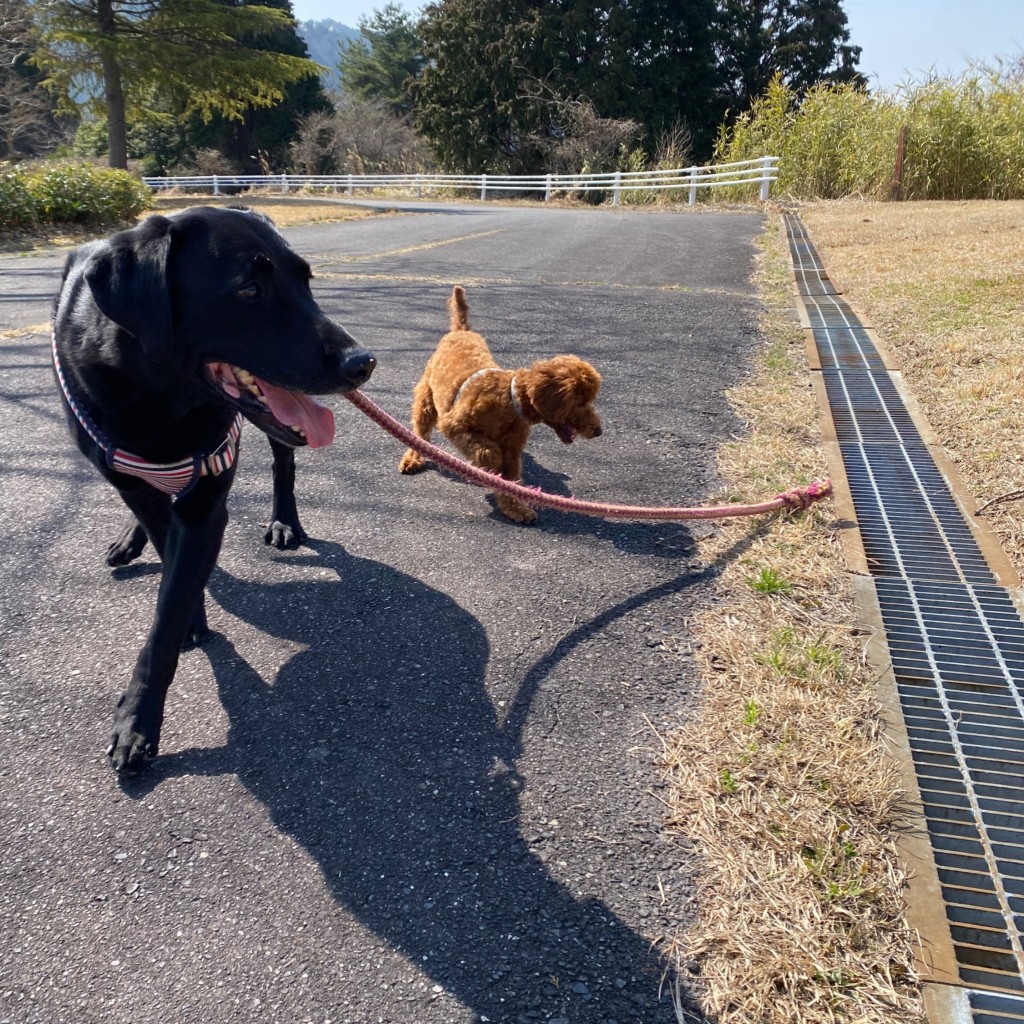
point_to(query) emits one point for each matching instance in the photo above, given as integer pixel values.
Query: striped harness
(173, 478)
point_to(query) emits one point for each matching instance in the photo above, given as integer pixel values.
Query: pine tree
(115, 52)
(258, 138)
(388, 55)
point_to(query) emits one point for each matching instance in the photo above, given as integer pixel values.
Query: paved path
(412, 778)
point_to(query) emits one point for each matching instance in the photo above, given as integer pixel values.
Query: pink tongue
(300, 412)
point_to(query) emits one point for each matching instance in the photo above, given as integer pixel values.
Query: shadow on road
(378, 749)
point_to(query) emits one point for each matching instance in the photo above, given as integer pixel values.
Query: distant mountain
(322, 40)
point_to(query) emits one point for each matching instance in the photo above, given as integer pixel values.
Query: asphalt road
(412, 777)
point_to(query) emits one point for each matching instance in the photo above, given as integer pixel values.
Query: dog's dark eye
(248, 291)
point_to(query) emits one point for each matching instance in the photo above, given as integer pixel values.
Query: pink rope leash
(793, 499)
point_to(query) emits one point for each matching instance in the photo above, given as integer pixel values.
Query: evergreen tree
(115, 52)
(379, 64)
(258, 138)
(484, 95)
(804, 41)
(650, 61)
(500, 73)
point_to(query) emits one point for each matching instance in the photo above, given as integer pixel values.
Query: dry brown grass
(780, 781)
(284, 211)
(944, 285)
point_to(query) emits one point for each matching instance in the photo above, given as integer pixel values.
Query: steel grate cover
(956, 640)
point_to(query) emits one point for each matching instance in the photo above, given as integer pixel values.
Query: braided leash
(794, 499)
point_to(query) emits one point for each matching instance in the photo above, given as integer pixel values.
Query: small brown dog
(488, 412)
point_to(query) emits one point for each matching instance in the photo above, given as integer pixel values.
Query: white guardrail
(743, 172)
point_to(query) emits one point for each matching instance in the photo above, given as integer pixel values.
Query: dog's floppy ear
(128, 279)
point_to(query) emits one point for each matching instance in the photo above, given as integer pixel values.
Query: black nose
(597, 432)
(357, 367)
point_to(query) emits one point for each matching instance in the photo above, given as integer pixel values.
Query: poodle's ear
(575, 378)
(587, 381)
(551, 387)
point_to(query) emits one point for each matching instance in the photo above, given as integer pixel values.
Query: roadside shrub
(636, 160)
(358, 137)
(69, 194)
(17, 210)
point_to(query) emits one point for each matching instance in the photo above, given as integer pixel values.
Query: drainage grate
(957, 645)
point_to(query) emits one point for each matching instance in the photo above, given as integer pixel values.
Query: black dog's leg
(192, 545)
(151, 520)
(129, 544)
(285, 530)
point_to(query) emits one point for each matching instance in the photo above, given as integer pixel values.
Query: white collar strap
(492, 369)
(515, 399)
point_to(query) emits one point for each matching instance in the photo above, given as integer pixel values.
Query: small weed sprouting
(751, 712)
(792, 656)
(812, 857)
(782, 656)
(728, 781)
(778, 357)
(825, 657)
(769, 581)
(836, 978)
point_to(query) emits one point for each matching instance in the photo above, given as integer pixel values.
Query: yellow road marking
(24, 332)
(411, 248)
(607, 286)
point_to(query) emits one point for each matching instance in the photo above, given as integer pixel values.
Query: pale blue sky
(899, 38)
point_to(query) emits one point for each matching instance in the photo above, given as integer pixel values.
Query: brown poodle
(488, 412)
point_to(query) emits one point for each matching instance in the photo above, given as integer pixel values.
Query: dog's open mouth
(565, 433)
(302, 417)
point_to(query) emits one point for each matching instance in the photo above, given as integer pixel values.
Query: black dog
(164, 336)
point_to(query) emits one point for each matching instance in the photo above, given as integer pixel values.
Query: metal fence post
(615, 188)
(547, 189)
(766, 170)
(693, 186)
(284, 184)
(419, 187)
(216, 190)
(350, 187)
(483, 186)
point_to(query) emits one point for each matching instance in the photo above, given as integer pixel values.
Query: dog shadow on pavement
(378, 750)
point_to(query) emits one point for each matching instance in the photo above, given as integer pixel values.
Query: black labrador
(164, 337)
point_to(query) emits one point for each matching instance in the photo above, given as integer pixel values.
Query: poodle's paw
(516, 510)
(412, 462)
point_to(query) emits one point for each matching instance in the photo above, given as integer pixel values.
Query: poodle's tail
(459, 309)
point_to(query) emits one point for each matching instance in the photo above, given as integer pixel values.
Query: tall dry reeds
(964, 138)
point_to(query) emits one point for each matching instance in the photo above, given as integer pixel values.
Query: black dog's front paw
(284, 536)
(198, 630)
(128, 545)
(133, 742)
